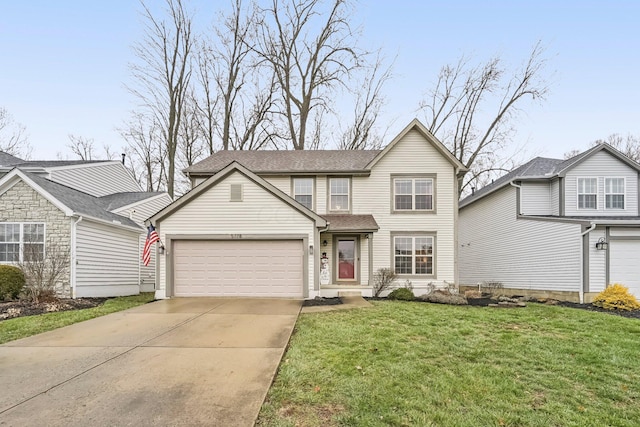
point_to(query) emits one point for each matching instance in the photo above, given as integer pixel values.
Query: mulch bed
(13, 309)
(321, 301)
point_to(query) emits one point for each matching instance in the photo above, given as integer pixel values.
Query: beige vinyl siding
(140, 212)
(372, 195)
(96, 179)
(520, 253)
(601, 165)
(260, 213)
(554, 196)
(282, 183)
(535, 198)
(107, 260)
(321, 194)
(623, 231)
(597, 262)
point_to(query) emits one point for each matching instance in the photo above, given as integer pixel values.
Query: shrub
(11, 282)
(444, 297)
(491, 286)
(402, 294)
(616, 297)
(382, 280)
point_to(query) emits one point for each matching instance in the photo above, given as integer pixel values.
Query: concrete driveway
(179, 362)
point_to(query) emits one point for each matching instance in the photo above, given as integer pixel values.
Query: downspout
(584, 233)
(74, 259)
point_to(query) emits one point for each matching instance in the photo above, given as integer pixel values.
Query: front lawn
(417, 364)
(21, 327)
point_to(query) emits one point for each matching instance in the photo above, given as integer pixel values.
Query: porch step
(349, 294)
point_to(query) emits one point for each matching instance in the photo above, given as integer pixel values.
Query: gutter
(74, 259)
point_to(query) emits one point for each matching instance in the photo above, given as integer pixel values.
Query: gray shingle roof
(55, 163)
(118, 200)
(299, 161)
(351, 222)
(7, 159)
(79, 202)
(535, 168)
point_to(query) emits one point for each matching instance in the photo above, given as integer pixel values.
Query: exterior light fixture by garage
(161, 249)
(602, 244)
(324, 243)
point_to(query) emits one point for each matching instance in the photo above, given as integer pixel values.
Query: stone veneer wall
(21, 203)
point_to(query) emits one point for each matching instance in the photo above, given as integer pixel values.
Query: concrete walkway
(179, 362)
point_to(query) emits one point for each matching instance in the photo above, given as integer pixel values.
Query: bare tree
(13, 138)
(629, 145)
(456, 110)
(163, 75)
(43, 269)
(146, 151)
(361, 133)
(311, 51)
(81, 147)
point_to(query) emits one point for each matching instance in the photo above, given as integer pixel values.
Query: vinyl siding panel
(554, 197)
(97, 179)
(522, 254)
(140, 212)
(107, 261)
(535, 198)
(601, 165)
(321, 194)
(259, 213)
(597, 262)
(282, 183)
(372, 195)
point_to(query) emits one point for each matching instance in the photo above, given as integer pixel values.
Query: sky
(64, 64)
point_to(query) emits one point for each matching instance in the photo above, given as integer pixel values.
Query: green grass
(416, 364)
(21, 327)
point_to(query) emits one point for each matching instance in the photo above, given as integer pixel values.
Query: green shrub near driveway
(11, 282)
(402, 294)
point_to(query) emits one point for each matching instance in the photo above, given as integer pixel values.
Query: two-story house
(313, 223)
(558, 228)
(87, 217)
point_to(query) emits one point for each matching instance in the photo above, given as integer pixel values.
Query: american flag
(152, 237)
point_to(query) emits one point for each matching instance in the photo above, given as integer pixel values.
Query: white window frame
(578, 193)
(413, 193)
(312, 190)
(623, 194)
(413, 255)
(348, 194)
(22, 242)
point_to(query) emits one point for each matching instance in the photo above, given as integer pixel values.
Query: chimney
(123, 156)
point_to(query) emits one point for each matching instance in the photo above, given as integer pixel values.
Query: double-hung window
(21, 241)
(303, 191)
(413, 194)
(614, 193)
(587, 193)
(339, 189)
(413, 255)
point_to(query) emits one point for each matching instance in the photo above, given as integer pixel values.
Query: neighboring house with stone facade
(89, 213)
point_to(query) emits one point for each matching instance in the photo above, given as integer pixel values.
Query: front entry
(347, 259)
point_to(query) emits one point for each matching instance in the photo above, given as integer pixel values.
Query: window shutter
(236, 193)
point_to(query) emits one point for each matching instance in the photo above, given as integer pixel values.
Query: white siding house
(90, 217)
(560, 228)
(353, 212)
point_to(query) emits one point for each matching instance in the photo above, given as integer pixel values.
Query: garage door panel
(238, 268)
(624, 264)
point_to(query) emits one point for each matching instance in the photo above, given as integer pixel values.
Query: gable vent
(236, 193)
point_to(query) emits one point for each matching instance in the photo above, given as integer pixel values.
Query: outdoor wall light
(161, 250)
(310, 249)
(602, 244)
(324, 243)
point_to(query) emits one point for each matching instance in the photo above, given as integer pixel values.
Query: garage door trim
(169, 278)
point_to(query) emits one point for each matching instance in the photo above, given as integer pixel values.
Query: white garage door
(264, 268)
(624, 262)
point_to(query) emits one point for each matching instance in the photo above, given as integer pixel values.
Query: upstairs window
(303, 191)
(21, 242)
(339, 189)
(413, 194)
(614, 193)
(587, 193)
